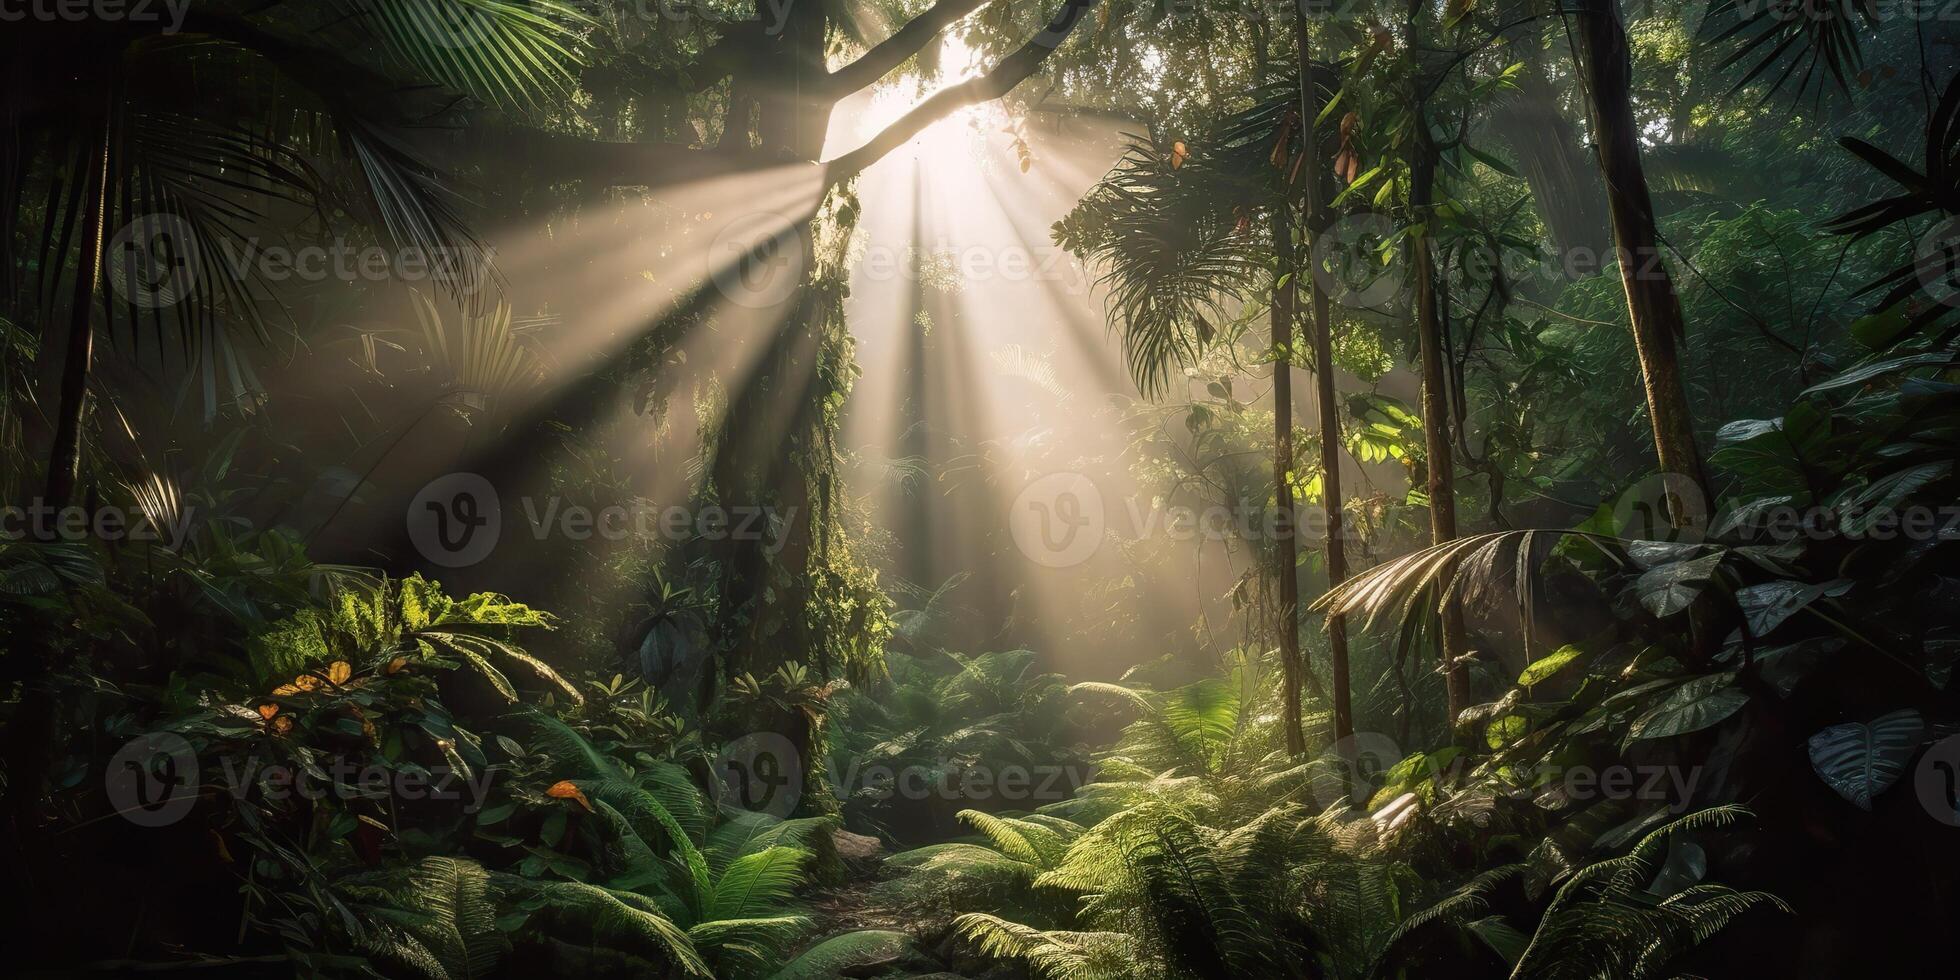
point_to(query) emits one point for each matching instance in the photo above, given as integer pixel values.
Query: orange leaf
(565, 789)
(1178, 153)
(282, 724)
(304, 682)
(267, 710)
(1282, 150)
(338, 672)
(395, 666)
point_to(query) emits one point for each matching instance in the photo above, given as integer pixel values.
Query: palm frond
(506, 52)
(1174, 260)
(1807, 34)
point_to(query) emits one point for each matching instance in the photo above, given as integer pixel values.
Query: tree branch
(1011, 71)
(907, 41)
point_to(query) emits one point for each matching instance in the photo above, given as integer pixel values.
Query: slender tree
(1323, 366)
(1435, 401)
(1606, 69)
(65, 459)
(1286, 551)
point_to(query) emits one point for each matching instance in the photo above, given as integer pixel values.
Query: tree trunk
(31, 731)
(1551, 154)
(1435, 409)
(1652, 307)
(1323, 366)
(1286, 547)
(65, 459)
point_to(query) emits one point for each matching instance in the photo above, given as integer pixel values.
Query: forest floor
(853, 905)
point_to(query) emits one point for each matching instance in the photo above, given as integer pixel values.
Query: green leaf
(1862, 760)
(1878, 330)
(1546, 666)
(850, 951)
(757, 884)
(1502, 938)
(1693, 706)
(1766, 605)
(1359, 182)
(1669, 589)
(1490, 161)
(1204, 716)
(1869, 372)
(1883, 496)
(553, 831)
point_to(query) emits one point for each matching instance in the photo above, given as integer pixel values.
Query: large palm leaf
(1174, 259)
